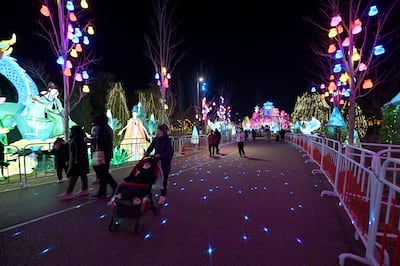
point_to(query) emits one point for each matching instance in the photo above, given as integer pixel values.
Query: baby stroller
(133, 196)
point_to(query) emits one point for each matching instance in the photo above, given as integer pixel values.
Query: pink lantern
(336, 20)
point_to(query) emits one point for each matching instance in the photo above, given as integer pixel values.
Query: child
(136, 185)
(61, 156)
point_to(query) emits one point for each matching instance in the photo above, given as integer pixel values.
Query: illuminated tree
(116, 103)
(162, 46)
(311, 105)
(358, 42)
(68, 36)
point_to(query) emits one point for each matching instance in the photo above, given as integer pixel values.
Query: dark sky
(259, 50)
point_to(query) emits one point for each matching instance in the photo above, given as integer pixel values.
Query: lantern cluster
(348, 57)
(74, 38)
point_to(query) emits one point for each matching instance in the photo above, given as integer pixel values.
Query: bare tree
(68, 39)
(357, 61)
(162, 46)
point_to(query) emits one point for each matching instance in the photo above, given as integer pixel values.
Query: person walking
(240, 139)
(61, 155)
(212, 142)
(218, 134)
(163, 152)
(282, 133)
(103, 141)
(268, 134)
(78, 164)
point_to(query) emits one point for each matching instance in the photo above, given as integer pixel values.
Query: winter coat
(78, 154)
(163, 147)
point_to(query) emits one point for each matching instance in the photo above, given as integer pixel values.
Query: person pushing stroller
(138, 184)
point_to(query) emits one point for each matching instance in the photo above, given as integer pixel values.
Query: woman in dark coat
(103, 141)
(163, 153)
(78, 164)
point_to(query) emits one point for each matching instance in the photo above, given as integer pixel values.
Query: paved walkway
(264, 209)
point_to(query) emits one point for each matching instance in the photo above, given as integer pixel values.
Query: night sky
(260, 51)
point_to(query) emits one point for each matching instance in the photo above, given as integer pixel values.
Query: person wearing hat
(163, 152)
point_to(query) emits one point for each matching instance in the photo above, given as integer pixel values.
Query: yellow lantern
(85, 88)
(90, 30)
(332, 33)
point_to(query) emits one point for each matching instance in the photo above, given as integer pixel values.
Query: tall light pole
(198, 107)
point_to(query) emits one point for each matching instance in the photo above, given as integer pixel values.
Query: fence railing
(366, 181)
(34, 162)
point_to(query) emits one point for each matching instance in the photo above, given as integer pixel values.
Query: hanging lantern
(356, 56)
(341, 102)
(90, 30)
(339, 54)
(67, 72)
(332, 33)
(85, 88)
(70, 6)
(44, 10)
(68, 64)
(346, 42)
(378, 50)
(72, 17)
(78, 47)
(336, 20)
(367, 84)
(331, 77)
(373, 10)
(357, 27)
(78, 77)
(84, 4)
(337, 68)
(362, 67)
(85, 75)
(332, 48)
(73, 53)
(340, 29)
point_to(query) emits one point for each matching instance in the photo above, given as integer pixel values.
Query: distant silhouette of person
(212, 142)
(268, 134)
(78, 164)
(136, 136)
(282, 133)
(218, 134)
(240, 139)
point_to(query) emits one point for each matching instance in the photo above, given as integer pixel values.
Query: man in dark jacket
(103, 141)
(163, 153)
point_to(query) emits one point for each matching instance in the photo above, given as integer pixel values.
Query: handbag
(98, 158)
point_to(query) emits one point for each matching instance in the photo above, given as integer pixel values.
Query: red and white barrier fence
(367, 182)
